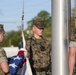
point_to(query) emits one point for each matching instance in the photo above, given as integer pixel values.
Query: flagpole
(60, 23)
(23, 16)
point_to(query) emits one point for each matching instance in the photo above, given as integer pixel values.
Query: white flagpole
(60, 19)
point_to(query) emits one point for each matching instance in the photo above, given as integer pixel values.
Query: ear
(33, 28)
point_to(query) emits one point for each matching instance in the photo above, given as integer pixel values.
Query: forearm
(4, 66)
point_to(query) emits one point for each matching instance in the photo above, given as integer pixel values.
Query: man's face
(1, 36)
(37, 31)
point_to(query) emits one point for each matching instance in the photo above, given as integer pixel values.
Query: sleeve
(28, 47)
(73, 35)
(3, 57)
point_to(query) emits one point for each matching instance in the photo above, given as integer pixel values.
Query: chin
(40, 35)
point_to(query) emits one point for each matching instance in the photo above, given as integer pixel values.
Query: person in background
(4, 68)
(39, 50)
(72, 51)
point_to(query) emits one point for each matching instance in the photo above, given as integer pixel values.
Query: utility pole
(60, 23)
(23, 17)
(75, 13)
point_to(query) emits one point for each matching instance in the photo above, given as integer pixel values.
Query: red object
(21, 52)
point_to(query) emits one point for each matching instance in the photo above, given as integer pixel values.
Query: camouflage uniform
(39, 55)
(73, 38)
(3, 58)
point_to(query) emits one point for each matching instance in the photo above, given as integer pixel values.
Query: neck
(37, 37)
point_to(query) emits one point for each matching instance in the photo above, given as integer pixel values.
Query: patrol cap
(39, 24)
(1, 28)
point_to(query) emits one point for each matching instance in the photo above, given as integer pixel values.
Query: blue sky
(11, 11)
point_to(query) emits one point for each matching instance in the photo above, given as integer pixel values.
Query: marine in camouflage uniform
(3, 57)
(39, 51)
(72, 51)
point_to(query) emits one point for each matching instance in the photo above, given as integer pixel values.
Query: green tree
(12, 38)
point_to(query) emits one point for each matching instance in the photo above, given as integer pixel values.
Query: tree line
(14, 37)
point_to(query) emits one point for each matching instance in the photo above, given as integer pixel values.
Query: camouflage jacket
(39, 50)
(3, 58)
(73, 35)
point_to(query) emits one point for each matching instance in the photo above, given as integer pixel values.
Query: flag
(19, 64)
(25, 68)
(15, 63)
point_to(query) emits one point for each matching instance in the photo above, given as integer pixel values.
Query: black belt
(41, 69)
